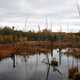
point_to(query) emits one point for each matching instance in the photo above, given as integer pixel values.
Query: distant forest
(10, 35)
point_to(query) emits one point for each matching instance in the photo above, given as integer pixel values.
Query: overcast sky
(15, 12)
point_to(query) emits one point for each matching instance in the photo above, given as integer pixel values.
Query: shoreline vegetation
(13, 41)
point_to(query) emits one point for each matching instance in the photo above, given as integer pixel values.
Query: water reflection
(13, 59)
(53, 65)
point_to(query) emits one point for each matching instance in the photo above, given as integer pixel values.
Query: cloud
(22, 7)
(18, 10)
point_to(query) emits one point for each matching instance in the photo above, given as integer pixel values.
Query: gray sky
(34, 11)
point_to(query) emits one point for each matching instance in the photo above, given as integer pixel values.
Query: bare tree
(25, 25)
(78, 7)
(46, 22)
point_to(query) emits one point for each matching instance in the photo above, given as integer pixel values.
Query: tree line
(9, 35)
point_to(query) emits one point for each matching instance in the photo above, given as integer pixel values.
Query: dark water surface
(34, 68)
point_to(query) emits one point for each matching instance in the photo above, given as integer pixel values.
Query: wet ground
(34, 67)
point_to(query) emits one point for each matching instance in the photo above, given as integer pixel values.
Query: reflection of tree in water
(54, 64)
(60, 55)
(51, 52)
(49, 63)
(73, 67)
(73, 72)
(14, 61)
(25, 58)
(48, 72)
(54, 70)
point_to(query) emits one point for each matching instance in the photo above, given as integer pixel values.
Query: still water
(34, 67)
